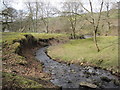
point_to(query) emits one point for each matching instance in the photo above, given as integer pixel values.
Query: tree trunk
(47, 29)
(73, 30)
(6, 23)
(33, 25)
(74, 35)
(109, 25)
(36, 26)
(21, 24)
(95, 40)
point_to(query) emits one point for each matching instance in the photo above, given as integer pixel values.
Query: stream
(70, 76)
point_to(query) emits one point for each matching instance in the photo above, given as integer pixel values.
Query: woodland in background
(73, 19)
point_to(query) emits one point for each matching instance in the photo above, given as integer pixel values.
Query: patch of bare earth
(25, 65)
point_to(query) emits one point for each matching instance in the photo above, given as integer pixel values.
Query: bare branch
(84, 8)
(100, 14)
(5, 4)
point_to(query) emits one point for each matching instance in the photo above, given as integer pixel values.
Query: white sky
(19, 4)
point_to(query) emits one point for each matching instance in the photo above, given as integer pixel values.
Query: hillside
(62, 25)
(83, 26)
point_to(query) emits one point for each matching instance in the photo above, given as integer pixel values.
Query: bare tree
(44, 16)
(8, 15)
(70, 11)
(46, 13)
(36, 14)
(94, 21)
(21, 18)
(107, 4)
(31, 16)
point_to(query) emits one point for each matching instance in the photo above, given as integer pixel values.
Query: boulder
(116, 82)
(72, 70)
(106, 79)
(69, 81)
(87, 85)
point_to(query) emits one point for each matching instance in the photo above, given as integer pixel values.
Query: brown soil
(30, 68)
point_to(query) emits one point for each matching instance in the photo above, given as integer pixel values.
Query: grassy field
(84, 51)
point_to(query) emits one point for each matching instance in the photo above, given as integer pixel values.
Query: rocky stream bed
(76, 76)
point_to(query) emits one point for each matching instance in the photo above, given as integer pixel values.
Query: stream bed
(70, 76)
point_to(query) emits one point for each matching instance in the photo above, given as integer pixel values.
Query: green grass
(10, 36)
(15, 81)
(84, 50)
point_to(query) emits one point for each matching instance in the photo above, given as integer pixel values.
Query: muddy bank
(75, 76)
(19, 59)
(27, 49)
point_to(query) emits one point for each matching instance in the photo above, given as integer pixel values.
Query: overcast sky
(19, 4)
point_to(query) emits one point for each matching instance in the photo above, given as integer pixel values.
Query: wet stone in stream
(70, 76)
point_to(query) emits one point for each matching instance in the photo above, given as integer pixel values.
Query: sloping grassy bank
(24, 71)
(84, 52)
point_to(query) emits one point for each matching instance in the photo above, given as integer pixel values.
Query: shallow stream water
(70, 76)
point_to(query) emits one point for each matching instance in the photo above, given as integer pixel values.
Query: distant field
(84, 50)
